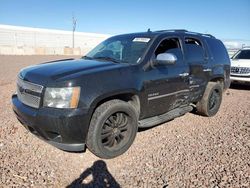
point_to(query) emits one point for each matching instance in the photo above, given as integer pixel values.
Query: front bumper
(240, 79)
(65, 129)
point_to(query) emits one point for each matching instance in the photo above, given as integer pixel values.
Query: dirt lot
(190, 151)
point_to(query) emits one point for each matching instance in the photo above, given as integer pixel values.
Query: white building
(15, 40)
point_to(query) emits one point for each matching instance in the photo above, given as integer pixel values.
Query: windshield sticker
(141, 39)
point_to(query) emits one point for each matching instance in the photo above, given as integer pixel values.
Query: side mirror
(165, 59)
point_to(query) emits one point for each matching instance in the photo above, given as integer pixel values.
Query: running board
(156, 120)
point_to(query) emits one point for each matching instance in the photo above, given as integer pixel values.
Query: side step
(156, 120)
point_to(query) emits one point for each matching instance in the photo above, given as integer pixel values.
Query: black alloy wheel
(115, 130)
(112, 129)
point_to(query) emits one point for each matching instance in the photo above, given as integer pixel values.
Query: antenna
(149, 30)
(74, 21)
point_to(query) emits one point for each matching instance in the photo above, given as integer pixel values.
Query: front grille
(240, 70)
(29, 93)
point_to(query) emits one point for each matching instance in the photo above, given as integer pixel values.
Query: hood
(240, 63)
(52, 71)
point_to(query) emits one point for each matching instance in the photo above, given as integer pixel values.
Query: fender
(111, 95)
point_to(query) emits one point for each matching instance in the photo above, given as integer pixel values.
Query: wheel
(112, 129)
(210, 103)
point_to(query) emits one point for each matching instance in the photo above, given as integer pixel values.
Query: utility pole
(74, 21)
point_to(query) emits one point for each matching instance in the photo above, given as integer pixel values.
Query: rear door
(196, 57)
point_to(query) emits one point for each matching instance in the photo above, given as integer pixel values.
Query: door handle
(207, 70)
(184, 74)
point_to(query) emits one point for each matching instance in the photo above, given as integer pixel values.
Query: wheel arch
(219, 79)
(128, 96)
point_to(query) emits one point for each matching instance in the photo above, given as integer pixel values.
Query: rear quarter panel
(220, 61)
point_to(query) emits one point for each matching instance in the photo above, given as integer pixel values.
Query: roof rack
(201, 34)
(188, 32)
(208, 35)
(172, 30)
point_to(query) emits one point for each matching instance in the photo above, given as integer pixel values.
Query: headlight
(67, 97)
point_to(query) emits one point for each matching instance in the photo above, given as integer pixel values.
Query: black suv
(127, 81)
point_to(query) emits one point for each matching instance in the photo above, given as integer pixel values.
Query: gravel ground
(190, 151)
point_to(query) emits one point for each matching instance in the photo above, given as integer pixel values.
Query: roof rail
(201, 34)
(186, 31)
(208, 35)
(172, 30)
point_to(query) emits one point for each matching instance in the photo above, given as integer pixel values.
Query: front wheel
(210, 103)
(113, 128)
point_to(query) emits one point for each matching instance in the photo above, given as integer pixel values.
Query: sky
(225, 19)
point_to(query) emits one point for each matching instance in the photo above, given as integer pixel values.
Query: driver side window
(170, 45)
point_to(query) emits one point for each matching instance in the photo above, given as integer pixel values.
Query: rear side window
(194, 51)
(218, 50)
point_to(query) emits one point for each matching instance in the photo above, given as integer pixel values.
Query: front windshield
(243, 54)
(123, 49)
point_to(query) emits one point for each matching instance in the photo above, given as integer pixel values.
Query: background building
(15, 40)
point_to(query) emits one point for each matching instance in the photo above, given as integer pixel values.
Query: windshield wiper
(109, 59)
(86, 57)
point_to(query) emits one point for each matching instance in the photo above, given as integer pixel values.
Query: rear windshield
(243, 54)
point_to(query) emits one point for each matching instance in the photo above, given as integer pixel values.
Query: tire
(210, 102)
(112, 129)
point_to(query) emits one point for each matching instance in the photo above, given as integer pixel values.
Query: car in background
(240, 66)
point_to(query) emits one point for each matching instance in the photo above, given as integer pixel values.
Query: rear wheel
(210, 103)
(113, 128)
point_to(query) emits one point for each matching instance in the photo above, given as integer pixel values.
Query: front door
(167, 86)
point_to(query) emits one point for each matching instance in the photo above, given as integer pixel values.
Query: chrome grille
(29, 93)
(240, 70)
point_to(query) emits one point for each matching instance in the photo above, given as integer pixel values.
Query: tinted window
(192, 41)
(170, 45)
(194, 51)
(167, 45)
(243, 54)
(218, 50)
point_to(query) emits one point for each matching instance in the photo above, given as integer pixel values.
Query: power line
(74, 22)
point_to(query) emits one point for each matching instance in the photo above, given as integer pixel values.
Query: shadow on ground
(240, 86)
(95, 176)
